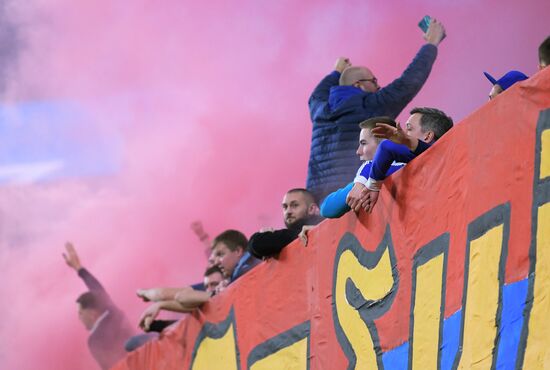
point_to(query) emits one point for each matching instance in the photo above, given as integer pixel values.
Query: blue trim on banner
(397, 358)
(514, 296)
(451, 337)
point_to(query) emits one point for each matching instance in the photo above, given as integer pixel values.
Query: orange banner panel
(444, 273)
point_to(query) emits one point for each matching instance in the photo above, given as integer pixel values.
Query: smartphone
(425, 23)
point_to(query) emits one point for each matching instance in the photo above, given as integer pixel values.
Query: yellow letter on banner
(293, 357)
(484, 276)
(428, 302)
(215, 347)
(365, 285)
(288, 350)
(537, 351)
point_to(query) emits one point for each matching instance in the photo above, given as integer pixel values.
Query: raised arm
(198, 229)
(319, 97)
(394, 97)
(73, 261)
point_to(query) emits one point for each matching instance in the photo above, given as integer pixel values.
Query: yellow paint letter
(365, 285)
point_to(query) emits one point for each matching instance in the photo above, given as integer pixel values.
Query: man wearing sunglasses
(350, 95)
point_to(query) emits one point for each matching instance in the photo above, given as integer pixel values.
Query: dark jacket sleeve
(271, 242)
(91, 282)
(386, 153)
(319, 97)
(393, 98)
(95, 286)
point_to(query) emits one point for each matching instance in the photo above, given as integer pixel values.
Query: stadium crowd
(346, 107)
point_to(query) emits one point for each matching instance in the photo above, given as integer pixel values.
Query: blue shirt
(387, 153)
(335, 205)
(246, 263)
(336, 112)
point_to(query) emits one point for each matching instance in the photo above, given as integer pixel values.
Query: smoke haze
(123, 122)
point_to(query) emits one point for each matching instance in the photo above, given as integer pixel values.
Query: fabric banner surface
(451, 270)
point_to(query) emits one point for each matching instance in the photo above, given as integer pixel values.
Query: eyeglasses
(374, 80)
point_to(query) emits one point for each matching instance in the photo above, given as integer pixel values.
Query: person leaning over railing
(229, 254)
(423, 128)
(299, 209)
(349, 95)
(335, 204)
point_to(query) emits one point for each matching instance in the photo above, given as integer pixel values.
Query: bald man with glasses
(349, 95)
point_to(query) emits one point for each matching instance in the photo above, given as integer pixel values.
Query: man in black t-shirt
(299, 209)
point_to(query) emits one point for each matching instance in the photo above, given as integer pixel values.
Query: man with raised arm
(423, 128)
(350, 95)
(109, 328)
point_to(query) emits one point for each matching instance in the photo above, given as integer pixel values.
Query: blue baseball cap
(507, 80)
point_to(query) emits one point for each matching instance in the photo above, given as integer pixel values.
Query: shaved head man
(298, 205)
(350, 95)
(299, 209)
(360, 77)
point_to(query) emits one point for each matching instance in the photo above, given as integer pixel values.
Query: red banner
(449, 271)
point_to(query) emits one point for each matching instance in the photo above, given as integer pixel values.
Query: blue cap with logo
(507, 80)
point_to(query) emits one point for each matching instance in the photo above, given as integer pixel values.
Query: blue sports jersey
(335, 206)
(387, 153)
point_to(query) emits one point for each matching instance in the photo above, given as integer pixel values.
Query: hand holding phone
(424, 23)
(434, 32)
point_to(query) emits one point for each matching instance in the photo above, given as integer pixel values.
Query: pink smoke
(209, 103)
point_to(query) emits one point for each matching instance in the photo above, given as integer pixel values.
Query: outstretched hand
(341, 64)
(436, 32)
(198, 229)
(149, 294)
(71, 258)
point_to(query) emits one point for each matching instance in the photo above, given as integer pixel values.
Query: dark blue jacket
(336, 112)
(106, 340)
